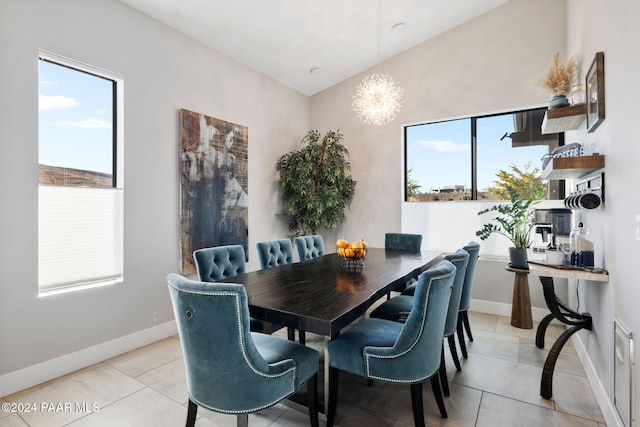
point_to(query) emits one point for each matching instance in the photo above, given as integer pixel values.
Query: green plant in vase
(515, 222)
(316, 189)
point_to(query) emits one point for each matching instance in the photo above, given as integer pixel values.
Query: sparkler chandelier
(378, 97)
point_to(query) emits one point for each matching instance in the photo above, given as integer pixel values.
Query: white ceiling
(285, 39)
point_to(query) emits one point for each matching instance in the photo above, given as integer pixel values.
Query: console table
(561, 312)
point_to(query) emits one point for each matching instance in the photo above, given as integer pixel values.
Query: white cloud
(86, 124)
(444, 146)
(56, 102)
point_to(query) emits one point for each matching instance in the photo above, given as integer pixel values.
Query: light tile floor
(498, 386)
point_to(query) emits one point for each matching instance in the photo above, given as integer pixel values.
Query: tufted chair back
(274, 252)
(416, 352)
(220, 262)
(460, 259)
(230, 369)
(473, 248)
(403, 242)
(309, 247)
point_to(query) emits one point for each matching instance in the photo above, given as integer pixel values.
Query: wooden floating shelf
(573, 167)
(564, 118)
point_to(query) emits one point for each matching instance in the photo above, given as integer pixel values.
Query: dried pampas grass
(560, 76)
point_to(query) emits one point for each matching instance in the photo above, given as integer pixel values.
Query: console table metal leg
(542, 329)
(567, 316)
(546, 384)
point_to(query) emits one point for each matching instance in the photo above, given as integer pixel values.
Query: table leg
(567, 316)
(326, 374)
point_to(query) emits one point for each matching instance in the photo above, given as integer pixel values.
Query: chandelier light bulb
(377, 99)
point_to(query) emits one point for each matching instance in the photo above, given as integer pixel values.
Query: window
(80, 196)
(471, 158)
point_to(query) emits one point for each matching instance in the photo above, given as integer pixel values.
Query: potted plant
(559, 79)
(315, 186)
(515, 222)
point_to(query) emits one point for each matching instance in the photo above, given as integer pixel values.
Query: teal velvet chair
(272, 253)
(403, 242)
(398, 308)
(309, 247)
(465, 301)
(222, 262)
(229, 368)
(393, 352)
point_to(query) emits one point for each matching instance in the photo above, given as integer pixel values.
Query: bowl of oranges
(352, 254)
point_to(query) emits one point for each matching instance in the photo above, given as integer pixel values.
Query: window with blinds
(80, 196)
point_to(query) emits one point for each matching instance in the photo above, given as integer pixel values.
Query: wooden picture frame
(594, 84)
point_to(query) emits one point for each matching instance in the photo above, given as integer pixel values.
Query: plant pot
(558, 101)
(518, 258)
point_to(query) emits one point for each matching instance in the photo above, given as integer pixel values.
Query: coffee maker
(551, 224)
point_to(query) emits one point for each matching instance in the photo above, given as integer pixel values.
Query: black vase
(518, 258)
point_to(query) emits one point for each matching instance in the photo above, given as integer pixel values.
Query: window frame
(117, 180)
(474, 149)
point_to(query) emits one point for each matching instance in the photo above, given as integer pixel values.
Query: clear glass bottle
(582, 247)
(577, 95)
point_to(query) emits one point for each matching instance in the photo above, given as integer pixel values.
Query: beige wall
(489, 64)
(492, 63)
(611, 27)
(163, 71)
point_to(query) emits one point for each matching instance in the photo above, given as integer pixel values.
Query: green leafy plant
(316, 189)
(525, 182)
(515, 221)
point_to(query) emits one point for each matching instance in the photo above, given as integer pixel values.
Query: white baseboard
(607, 407)
(502, 309)
(54, 368)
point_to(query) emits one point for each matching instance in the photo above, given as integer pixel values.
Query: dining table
(322, 297)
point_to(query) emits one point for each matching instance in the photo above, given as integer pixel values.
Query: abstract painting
(213, 185)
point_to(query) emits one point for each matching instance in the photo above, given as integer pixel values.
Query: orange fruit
(341, 252)
(358, 250)
(363, 243)
(349, 253)
(341, 243)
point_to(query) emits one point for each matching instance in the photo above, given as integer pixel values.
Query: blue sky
(440, 154)
(75, 125)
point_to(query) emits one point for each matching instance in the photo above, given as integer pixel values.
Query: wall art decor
(213, 185)
(595, 92)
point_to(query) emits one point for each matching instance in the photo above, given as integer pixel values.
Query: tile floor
(498, 386)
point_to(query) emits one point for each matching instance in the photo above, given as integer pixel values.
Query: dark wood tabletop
(320, 297)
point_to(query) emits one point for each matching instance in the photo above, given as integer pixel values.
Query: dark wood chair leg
(291, 333)
(312, 400)
(443, 373)
(416, 404)
(333, 396)
(460, 331)
(302, 339)
(454, 352)
(467, 327)
(191, 414)
(435, 385)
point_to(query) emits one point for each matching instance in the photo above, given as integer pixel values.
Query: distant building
(452, 189)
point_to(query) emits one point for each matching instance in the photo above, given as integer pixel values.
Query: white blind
(80, 236)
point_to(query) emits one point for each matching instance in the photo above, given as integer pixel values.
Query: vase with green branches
(316, 184)
(514, 220)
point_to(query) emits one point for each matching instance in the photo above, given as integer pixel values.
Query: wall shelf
(573, 167)
(564, 118)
